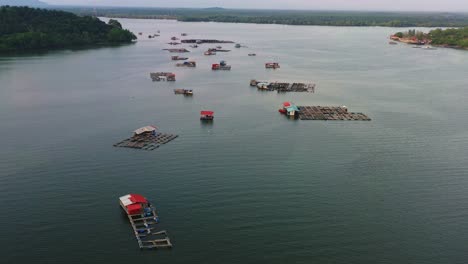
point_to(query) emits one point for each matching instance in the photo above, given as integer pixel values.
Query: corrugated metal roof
(145, 129)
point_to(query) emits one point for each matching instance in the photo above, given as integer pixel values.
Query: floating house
(289, 109)
(221, 66)
(190, 64)
(163, 76)
(272, 65)
(208, 53)
(143, 219)
(183, 91)
(200, 41)
(174, 58)
(292, 111)
(206, 115)
(177, 50)
(146, 130)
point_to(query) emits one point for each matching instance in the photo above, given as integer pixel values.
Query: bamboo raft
(330, 113)
(283, 86)
(146, 141)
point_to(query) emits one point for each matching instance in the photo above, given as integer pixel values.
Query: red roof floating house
(272, 65)
(207, 115)
(133, 203)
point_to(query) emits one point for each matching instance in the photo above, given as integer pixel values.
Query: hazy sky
(409, 5)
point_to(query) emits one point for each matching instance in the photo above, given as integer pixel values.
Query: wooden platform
(331, 113)
(144, 226)
(146, 142)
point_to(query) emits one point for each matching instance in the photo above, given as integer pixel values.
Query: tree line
(24, 28)
(451, 37)
(288, 17)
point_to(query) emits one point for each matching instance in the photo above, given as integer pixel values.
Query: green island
(27, 29)
(450, 38)
(287, 17)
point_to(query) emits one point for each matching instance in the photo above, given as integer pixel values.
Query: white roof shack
(142, 130)
(125, 200)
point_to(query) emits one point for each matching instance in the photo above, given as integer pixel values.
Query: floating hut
(272, 65)
(201, 41)
(183, 91)
(206, 115)
(289, 110)
(208, 53)
(146, 138)
(143, 219)
(163, 76)
(190, 64)
(174, 58)
(221, 66)
(177, 50)
(218, 49)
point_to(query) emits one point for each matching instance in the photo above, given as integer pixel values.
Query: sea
(253, 186)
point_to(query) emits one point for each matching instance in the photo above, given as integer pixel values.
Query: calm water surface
(254, 187)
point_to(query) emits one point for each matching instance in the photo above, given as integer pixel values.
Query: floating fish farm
(330, 113)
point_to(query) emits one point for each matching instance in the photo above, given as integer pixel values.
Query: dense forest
(24, 28)
(289, 17)
(451, 37)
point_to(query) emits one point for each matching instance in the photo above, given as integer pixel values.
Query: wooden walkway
(144, 229)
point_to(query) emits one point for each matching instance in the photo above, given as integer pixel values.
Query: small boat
(174, 38)
(183, 34)
(140, 33)
(428, 48)
(238, 45)
(252, 54)
(208, 53)
(194, 46)
(207, 115)
(174, 43)
(219, 47)
(272, 65)
(392, 43)
(285, 105)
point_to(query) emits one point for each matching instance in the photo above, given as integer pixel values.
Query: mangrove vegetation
(25, 29)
